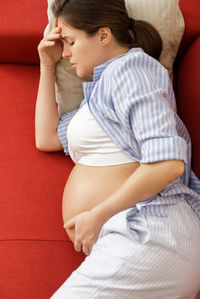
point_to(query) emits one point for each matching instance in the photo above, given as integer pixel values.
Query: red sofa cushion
(187, 74)
(191, 13)
(32, 181)
(21, 29)
(36, 254)
(34, 269)
(188, 99)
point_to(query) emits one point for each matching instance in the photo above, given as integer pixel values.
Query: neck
(116, 51)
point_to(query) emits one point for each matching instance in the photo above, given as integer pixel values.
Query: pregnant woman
(128, 203)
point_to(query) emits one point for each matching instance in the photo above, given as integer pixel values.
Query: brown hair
(91, 15)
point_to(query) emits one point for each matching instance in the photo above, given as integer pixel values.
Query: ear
(105, 35)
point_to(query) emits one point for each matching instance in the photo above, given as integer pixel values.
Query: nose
(66, 53)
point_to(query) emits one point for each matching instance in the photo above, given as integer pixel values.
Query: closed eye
(64, 39)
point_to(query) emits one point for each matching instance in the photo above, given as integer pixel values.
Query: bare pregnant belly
(87, 186)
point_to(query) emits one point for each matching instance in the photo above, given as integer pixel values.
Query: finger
(55, 23)
(57, 29)
(86, 249)
(90, 247)
(77, 245)
(69, 224)
(53, 36)
(45, 44)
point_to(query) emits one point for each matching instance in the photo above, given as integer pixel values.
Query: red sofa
(36, 255)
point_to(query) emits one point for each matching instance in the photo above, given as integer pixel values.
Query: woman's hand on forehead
(55, 23)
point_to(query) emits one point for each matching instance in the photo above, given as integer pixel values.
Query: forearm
(46, 114)
(145, 182)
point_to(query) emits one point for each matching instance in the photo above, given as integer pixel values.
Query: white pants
(139, 257)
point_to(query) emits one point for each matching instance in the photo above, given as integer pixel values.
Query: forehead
(68, 31)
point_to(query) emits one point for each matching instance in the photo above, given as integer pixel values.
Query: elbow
(179, 168)
(40, 141)
(48, 143)
(41, 146)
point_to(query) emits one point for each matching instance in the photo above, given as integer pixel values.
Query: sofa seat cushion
(32, 182)
(35, 269)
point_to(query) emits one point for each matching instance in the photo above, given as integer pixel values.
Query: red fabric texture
(32, 181)
(36, 256)
(35, 269)
(188, 99)
(187, 77)
(191, 13)
(22, 25)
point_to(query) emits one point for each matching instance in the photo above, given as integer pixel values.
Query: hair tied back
(131, 23)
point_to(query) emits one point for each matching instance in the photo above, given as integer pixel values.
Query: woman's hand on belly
(88, 186)
(87, 228)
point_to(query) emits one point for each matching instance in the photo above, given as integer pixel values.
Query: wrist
(102, 213)
(47, 68)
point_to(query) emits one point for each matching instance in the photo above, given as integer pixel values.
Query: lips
(73, 65)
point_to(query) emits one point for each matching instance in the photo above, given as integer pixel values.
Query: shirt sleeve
(145, 103)
(62, 129)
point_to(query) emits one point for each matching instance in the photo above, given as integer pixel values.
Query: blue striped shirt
(132, 99)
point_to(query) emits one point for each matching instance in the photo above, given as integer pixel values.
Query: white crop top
(88, 144)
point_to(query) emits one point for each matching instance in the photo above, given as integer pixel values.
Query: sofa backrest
(187, 77)
(191, 13)
(21, 30)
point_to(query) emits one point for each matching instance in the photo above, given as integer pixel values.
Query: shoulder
(136, 66)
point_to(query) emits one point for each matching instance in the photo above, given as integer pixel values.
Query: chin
(82, 74)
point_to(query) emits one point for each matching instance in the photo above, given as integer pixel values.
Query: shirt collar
(100, 68)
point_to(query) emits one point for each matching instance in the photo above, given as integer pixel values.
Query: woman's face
(84, 52)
